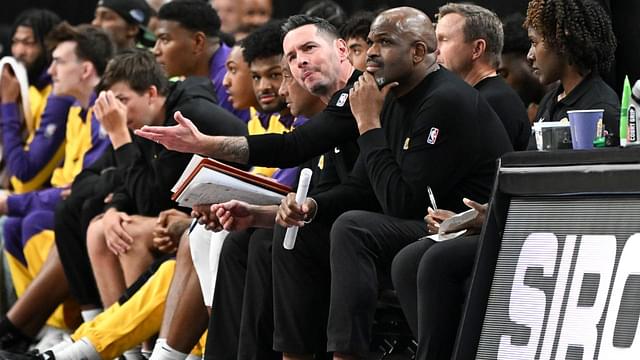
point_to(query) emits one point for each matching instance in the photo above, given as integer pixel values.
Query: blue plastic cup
(584, 127)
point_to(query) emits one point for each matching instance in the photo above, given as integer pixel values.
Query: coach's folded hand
(169, 228)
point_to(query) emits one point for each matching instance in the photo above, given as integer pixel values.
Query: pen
(432, 198)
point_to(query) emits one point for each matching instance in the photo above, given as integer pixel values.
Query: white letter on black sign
(597, 255)
(558, 297)
(628, 265)
(527, 304)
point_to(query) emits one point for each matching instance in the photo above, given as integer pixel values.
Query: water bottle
(633, 130)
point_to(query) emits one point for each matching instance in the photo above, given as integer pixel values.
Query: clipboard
(207, 181)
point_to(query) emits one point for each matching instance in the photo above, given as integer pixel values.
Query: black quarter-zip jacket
(441, 134)
(151, 169)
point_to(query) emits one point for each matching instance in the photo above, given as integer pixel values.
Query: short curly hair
(262, 43)
(580, 30)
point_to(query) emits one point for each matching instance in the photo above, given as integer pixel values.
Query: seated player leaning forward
(154, 172)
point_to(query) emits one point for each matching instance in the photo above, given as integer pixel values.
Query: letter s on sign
(527, 305)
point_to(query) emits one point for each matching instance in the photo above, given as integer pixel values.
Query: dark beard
(281, 105)
(35, 70)
(320, 90)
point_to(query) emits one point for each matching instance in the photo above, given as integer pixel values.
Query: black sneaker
(13, 342)
(6, 355)
(47, 355)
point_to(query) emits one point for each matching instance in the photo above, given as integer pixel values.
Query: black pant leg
(404, 272)
(72, 218)
(363, 245)
(301, 290)
(441, 282)
(256, 329)
(224, 323)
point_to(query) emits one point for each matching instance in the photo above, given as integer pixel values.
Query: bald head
(409, 22)
(403, 48)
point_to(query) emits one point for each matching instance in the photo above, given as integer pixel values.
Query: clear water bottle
(633, 134)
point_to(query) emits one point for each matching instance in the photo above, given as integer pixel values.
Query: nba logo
(433, 135)
(342, 100)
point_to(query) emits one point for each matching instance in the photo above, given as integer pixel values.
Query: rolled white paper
(303, 187)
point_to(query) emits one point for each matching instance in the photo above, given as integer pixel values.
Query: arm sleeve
(333, 126)
(146, 186)
(99, 179)
(22, 204)
(25, 162)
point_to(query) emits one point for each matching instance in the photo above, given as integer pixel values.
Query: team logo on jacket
(342, 100)
(406, 144)
(50, 130)
(433, 135)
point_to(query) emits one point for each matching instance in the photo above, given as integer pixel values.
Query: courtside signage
(567, 281)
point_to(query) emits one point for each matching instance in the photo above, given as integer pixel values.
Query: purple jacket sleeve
(26, 163)
(287, 176)
(99, 143)
(22, 204)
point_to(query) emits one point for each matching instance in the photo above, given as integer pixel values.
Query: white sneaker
(50, 337)
(133, 354)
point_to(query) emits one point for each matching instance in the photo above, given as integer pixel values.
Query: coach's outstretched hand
(183, 137)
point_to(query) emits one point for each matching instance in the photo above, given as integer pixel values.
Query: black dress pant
(430, 280)
(72, 218)
(301, 279)
(329, 283)
(241, 323)
(363, 245)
